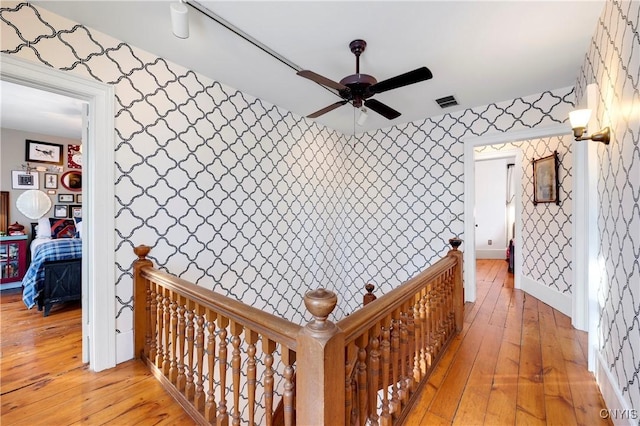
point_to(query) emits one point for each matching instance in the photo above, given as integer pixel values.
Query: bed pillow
(78, 223)
(43, 230)
(62, 228)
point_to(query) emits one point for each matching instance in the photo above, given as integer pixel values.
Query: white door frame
(469, 199)
(98, 242)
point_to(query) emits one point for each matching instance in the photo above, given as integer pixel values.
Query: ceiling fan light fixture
(363, 116)
(179, 19)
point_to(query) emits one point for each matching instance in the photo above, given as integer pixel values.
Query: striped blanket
(56, 249)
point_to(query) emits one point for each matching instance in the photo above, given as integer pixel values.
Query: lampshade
(180, 19)
(579, 118)
(33, 203)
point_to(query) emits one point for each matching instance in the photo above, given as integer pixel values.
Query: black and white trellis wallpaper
(546, 228)
(260, 204)
(613, 63)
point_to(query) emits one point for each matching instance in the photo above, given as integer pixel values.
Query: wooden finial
(320, 303)
(369, 296)
(455, 242)
(142, 251)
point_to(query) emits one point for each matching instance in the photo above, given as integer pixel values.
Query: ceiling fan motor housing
(358, 85)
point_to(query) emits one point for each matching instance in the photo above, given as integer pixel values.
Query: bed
(55, 272)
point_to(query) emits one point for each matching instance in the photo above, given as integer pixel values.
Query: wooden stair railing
(398, 339)
(363, 370)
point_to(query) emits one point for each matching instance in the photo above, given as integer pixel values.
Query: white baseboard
(491, 253)
(617, 408)
(124, 346)
(548, 295)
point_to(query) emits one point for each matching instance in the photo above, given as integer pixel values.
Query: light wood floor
(517, 361)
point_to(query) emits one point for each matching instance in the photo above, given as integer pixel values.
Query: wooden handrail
(271, 326)
(358, 322)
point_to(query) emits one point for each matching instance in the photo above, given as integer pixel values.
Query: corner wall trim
(618, 409)
(551, 297)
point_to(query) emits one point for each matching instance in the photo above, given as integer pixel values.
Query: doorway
(98, 273)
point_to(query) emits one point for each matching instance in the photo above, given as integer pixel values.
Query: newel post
(458, 285)
(141, 300)
(320, 397)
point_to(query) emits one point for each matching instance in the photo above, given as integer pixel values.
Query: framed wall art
(60, 211)
(65, 198)
(23, 180)
(545, 180)
(50, 181)
(72, 180)
(43, 152)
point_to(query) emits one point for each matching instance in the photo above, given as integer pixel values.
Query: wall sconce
(363, 116)
(579, 119)
(180, 19)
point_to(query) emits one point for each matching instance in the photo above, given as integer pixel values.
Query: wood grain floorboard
(517, 361)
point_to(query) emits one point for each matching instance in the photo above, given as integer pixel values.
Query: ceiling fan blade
(382, 109)
(327, 109)
(321, 80)
(405, 79)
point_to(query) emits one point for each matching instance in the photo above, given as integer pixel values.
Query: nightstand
(13, 258)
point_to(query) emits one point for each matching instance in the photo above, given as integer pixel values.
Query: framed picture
(545, 179)
(72, 180)
(65, 198)
(60, 211)
(76, 211)
(79, 198)
(43, 152)
(50, 181)
(23, 180)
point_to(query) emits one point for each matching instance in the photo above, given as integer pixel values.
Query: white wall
(490, 208)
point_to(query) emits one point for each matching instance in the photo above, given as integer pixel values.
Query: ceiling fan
(357, 88)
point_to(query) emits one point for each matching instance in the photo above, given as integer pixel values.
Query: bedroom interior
(357, 205)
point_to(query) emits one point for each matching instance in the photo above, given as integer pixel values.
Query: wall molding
(491, 253)
(613, 399)
(560, 301)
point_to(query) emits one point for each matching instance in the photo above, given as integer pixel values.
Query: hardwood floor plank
(516, 361)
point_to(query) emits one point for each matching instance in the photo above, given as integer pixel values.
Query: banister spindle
(198, 398)
(189, 390)
(167, 332)
(251, 337)
(385, 417)
(153, 318)
(173, 369)
(236, 330)
(160, 324)
(268, 348)
(181, 378)
(223, 415)
(361, 343)
(210, 405)
(288, 358)
(373, 376)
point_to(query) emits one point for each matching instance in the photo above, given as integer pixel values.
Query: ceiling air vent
(447, 101)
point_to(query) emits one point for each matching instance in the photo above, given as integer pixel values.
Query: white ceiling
(32, 110)
(479, 51)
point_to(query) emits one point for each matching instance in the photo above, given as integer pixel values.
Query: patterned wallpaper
(547, 234)
(613, 63)
(254, 202)
(261, 204)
